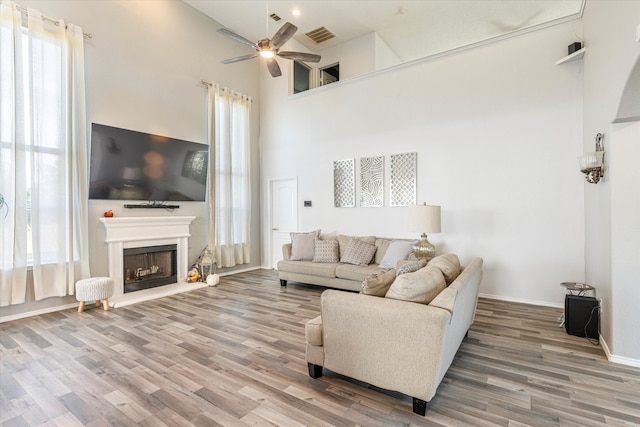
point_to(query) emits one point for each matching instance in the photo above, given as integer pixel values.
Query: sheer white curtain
(43, 139)
(230, 175)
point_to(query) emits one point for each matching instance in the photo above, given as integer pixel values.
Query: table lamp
(424, 218)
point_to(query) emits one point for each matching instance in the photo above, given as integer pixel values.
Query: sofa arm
(286, 251)
(392, 344)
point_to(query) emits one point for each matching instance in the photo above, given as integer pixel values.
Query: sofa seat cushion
(321, 269)
(355, 272)
(421, 286)
(313, 331)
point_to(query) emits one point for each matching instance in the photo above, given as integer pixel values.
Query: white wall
(497, 130)
(144, 66)
(609, 36)
(625, 242)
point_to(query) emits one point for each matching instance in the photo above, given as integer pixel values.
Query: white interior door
(284, 215)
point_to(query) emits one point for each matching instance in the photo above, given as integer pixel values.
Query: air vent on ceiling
(320, 35)
(275, 17)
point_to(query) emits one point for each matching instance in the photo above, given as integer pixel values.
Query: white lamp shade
(424, 218)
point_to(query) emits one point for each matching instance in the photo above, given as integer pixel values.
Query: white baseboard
(19, 316)
(244, 270)
(522, 300)
(627, 361)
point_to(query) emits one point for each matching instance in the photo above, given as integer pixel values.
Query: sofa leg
(315, 371)
(419, 406)
(283, 282)
(466, 334)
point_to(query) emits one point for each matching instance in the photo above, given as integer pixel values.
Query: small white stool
(94, 289)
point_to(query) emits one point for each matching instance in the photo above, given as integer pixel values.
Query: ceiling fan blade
(299, 56)
(236, 37)
(283, 35)
(273, 67)
(239, 58)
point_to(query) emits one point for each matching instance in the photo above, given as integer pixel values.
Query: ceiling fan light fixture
(267, 53)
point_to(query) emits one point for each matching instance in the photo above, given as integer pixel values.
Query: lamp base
(423, 249)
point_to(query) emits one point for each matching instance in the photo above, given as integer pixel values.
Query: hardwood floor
(233, 355)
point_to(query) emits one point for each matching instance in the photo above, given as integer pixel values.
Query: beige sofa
(393, 344)
(334, 275)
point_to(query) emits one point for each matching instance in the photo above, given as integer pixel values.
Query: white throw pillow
(302, 248)
(397, 250)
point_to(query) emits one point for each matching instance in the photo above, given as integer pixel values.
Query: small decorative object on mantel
(424, 218)
(592, 162)
(108, 214)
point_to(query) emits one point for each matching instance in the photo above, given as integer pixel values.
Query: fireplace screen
(149, 267)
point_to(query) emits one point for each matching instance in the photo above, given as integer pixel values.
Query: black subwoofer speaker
(581, 316)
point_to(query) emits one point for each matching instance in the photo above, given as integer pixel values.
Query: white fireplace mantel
(134, 232)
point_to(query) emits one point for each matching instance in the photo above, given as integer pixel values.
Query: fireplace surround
(125, 233)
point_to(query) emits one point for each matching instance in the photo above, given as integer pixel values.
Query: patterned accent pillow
(410, 267)
(302, 245)
(378, 283)
(325, 251)
(358, 252)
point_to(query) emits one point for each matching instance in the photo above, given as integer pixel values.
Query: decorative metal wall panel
(372, 182)
(403, 179)
(344, 183)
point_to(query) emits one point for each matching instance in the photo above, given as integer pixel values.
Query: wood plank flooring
(233, 355)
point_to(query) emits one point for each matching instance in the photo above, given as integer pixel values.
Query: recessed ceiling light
(295, 12)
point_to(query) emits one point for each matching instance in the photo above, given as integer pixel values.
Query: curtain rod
(206, 83)
(46, 18)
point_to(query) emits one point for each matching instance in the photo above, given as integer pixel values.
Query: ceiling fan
(270, 48)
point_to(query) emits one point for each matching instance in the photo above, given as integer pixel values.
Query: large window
(42, 155)
(230, 189)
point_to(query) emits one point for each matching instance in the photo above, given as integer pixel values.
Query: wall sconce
(592, 162)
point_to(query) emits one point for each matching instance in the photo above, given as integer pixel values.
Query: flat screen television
(130, 165)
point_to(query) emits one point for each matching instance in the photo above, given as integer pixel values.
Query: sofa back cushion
(449, 264)
(421, 286)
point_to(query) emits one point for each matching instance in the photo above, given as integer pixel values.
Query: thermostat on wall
(307, 203)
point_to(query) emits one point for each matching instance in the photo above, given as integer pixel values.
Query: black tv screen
(130, 165)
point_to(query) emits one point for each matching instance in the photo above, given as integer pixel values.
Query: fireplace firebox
(149, 267)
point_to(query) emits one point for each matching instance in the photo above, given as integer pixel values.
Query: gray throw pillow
(397, 250)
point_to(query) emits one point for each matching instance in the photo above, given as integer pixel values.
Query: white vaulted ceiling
(412, 29)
